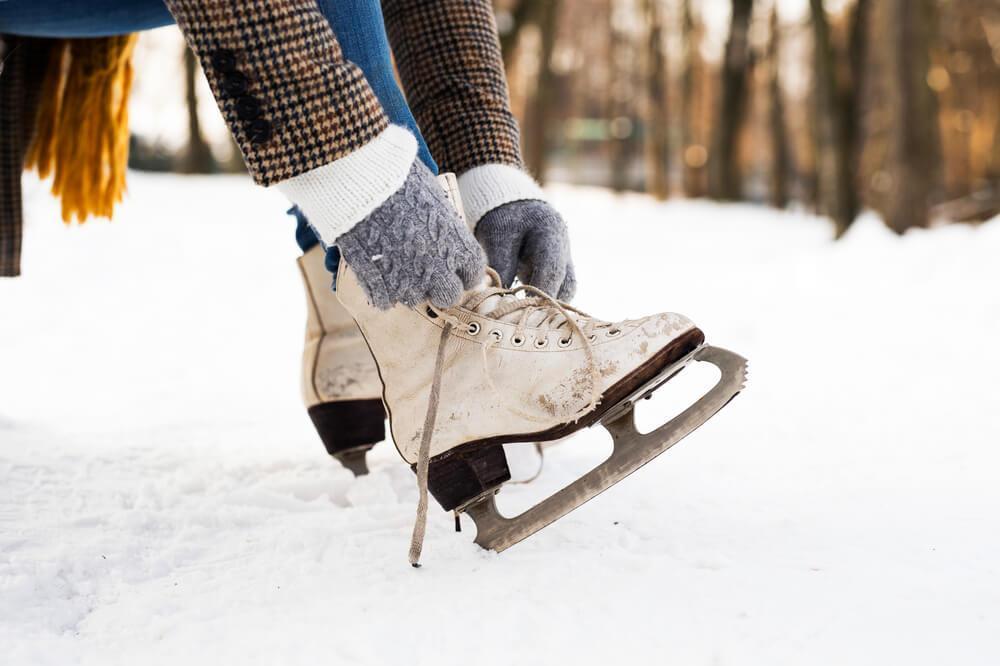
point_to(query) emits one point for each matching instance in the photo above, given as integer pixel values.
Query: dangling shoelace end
(535, 299)
(424, 454)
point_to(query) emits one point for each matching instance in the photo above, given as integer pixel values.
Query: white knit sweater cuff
(483, 188)
(338, 195)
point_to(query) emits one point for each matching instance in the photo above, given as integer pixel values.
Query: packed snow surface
(164, 499)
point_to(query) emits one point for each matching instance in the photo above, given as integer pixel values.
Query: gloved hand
(529, 239)
(414, 247)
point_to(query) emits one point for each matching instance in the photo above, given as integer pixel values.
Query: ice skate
(517, 366)
(340, 384)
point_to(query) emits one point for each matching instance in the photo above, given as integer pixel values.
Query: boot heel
(349, 428)
(463, 476)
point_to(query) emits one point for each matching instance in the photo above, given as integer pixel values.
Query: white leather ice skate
(340, 385)
(517, 366)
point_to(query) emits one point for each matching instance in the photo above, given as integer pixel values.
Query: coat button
(235, 84)
(259, 131)
(224, 60)
(247, 108)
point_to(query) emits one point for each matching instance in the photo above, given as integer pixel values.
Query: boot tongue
(495, 301)
(538, 314)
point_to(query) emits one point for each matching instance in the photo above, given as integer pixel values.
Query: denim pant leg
(360, 29)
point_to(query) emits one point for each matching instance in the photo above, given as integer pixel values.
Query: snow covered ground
(164, 500)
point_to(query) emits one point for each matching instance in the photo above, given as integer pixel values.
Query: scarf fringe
(81, 128)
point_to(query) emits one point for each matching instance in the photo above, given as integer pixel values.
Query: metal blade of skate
(631, 451)
(355, 460)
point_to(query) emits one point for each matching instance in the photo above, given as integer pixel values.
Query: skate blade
(354, 460)
(631, 451)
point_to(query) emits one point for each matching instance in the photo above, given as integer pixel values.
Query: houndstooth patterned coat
(294, 103)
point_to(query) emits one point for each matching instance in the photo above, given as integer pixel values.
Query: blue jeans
(357, 24)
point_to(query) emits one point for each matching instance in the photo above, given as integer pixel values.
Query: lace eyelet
(496, 334)
(614, 332)
(473, 328)
(541, 343)
(431, 313)
(517, 340)
(565, 342)
(592, 337)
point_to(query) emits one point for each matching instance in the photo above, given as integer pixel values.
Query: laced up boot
(514, 365)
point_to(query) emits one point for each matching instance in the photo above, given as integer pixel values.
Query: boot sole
(348, 429)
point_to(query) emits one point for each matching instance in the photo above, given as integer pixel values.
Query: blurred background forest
(833, 106)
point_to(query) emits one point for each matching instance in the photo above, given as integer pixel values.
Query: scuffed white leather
(336, 362)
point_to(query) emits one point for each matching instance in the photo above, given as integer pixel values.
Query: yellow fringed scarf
(81, 128)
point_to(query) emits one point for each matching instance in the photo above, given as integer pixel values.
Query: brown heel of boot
(349, 428)
(461, 477)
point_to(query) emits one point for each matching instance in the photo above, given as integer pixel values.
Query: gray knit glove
(529, 239)
(414, 248)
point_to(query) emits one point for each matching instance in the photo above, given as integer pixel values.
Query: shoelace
(554, 316)
(540, 450)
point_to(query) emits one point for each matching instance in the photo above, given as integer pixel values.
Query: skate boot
(514, 365)
(340, 383)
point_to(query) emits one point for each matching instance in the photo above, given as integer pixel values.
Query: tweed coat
(294, 103)
(21, 69)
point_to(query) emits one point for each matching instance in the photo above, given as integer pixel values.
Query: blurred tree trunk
(779, 138)
(992, 161)
(852, 110)
(622, 93)
(724, 169)
(523, 13)
(836, 195)
(911, 161)
(657, 117)
(197, 156)
(693, 152)
(538, 118)
(966, 79)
